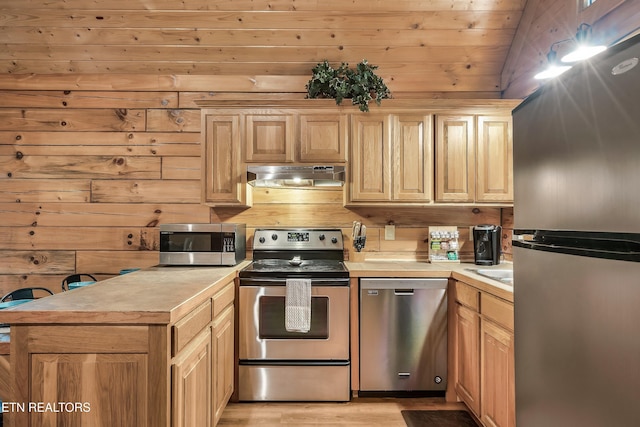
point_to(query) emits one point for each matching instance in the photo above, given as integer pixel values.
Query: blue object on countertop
(75, 285)
(12, 303)
(129, 270)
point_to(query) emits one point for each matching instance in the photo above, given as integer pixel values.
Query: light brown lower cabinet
(144, 375)
(484, 362)
(468, 360)
(223, 361)
(191, 386)
(497, 392)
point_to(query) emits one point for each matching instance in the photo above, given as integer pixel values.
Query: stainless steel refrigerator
(577, 246)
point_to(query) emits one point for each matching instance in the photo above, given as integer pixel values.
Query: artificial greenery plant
(361, 84)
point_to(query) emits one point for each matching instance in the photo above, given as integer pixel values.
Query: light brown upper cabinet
(474, 159)
(494, 182)
(322, 137)
(223, 175)
(370, 158)
(404, 152)
(306, 136)
(412, 158)
(391, 158)
(269, 137)
(455, 159)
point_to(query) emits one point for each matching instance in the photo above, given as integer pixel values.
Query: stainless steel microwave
(202, 244)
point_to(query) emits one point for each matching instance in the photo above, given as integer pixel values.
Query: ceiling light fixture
(584, 49)
(554, 68)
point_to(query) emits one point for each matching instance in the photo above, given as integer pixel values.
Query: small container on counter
(443, 244)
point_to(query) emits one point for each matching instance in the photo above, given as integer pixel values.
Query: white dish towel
(297, 305)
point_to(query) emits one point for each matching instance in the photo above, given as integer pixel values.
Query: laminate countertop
(458, 271)
(157, 295)
(161, 295)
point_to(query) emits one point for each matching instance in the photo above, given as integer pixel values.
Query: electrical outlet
(389, 232)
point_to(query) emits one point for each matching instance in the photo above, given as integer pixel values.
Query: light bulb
(551, 71)
(583, 52)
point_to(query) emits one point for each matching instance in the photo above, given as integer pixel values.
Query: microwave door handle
(187, 246)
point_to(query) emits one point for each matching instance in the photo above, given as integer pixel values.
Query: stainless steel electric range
(277, 364)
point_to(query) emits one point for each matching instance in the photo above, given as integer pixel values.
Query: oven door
(261, 324)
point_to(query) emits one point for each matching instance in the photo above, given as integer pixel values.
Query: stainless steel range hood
(296, 176)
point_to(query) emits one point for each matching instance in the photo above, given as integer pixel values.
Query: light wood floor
(371, 412)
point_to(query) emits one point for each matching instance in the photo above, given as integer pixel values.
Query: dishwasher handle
(403, 291)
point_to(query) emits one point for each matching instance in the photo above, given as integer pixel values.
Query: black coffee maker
(486, 244)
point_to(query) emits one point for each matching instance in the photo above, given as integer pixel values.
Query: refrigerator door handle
(596, 250)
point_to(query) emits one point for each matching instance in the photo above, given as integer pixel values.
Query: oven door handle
(271, 281)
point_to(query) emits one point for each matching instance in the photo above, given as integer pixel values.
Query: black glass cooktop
(295, 268)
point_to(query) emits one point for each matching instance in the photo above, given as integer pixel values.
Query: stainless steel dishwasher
(403, 335)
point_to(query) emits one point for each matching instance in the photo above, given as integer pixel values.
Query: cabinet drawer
(223, 298)
(188, 327)
(497, 310)
(467, 295)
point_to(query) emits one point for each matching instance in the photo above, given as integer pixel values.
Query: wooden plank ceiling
(420, 45)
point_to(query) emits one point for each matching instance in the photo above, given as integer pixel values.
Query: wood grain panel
(111, 262)
(414, 82)
(36, 261)
(257, 37)
(181, 168)
(73, 99)
(83, 238)
(154, 142)
(239, 54)
(173, 120)
(72, 120)
(44, 190)
(265, 76)
(21, 166)
(97, 18)
(99, 214)
(327, 195)
(145, 191)
(287, 5)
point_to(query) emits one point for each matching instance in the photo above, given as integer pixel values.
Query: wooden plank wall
(422, 47)
(86, 177)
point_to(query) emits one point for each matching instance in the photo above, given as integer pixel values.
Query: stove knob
(261, 240)
(334, 240)
(274, 237)
(321, 237)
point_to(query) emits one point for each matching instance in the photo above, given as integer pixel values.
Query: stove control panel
(301, 239)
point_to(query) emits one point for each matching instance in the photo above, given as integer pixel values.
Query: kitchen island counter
(157, 295)
(151, 348)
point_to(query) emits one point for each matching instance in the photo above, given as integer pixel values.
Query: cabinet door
(323, 137)
(412, 158)
(468, 357)
(370, 160)
(224, 177)
(498, 389)
(223, 361)
(191, 383)
(494, 159)
(269, 137)
(104, 381)
(455, 159)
